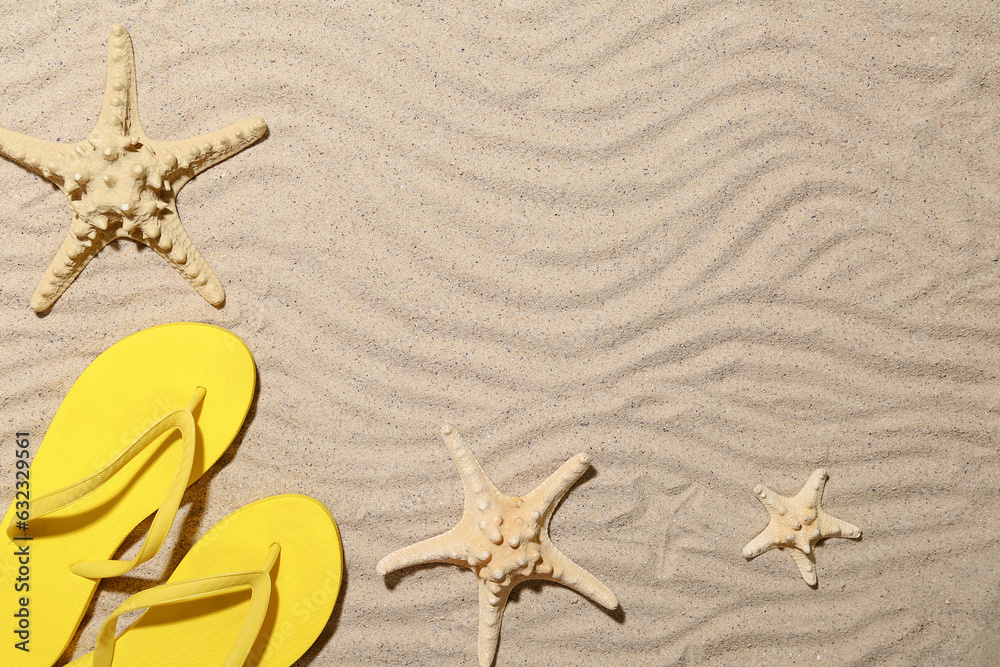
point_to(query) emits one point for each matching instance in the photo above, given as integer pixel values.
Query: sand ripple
(711, 245)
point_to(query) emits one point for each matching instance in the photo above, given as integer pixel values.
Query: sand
(712, 244)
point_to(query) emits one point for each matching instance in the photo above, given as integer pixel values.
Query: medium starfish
(504, 541)
(122, 184)
(797, 523)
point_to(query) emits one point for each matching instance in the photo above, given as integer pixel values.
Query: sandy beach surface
(713, 244)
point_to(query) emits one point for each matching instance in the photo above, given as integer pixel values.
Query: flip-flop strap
(183, 421)
(258, 581)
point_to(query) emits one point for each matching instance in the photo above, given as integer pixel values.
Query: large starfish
(122, 184)
(504, 541)
(797, 523)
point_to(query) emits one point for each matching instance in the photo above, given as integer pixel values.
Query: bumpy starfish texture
(797, 523)
(504, 541)
(122, 184)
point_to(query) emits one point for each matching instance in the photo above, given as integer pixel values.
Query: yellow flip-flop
(255, 591)
(141, 423)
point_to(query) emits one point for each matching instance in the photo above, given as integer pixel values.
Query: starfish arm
(40, 156)
(186, 158)
(478, 486)
(174, 245)
(555, 487)
(806, 564)
(768, 538)
(120, 113)
(831, 526)
(568, 573)
(812, 493)
(775, 503)
(442, 548)
(74, 254)
(491, 608)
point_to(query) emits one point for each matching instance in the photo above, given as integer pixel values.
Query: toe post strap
(257, 581)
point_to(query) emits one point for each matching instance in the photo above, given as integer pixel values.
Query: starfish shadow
(116, 245)
(537, 585)
(812, 554)
(394, 578)
(618, 614)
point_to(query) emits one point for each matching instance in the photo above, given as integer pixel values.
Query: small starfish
(122, 184)
(504, 541)
(797, 523)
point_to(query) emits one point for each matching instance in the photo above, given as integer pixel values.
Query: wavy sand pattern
(712, 244)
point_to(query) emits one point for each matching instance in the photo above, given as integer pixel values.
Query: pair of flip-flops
(145, 420)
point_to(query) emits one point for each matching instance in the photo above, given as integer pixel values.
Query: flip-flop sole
(128, 387)
(306, 582)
